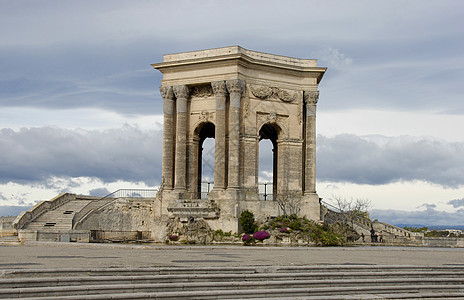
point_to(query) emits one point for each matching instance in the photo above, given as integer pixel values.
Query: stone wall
(130, 215)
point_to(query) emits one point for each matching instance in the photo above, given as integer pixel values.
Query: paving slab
(41, 255)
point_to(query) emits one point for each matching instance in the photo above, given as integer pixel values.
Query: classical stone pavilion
(237, 97)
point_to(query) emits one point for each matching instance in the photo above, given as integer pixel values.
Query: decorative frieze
(204, 116)
(268, 92)
(202, 91)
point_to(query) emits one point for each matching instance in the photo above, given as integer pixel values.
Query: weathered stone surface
(194, 231)
(239, 93)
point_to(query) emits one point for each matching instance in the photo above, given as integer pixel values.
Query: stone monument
(237, 97)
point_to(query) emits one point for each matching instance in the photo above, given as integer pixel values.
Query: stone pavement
(76, 255)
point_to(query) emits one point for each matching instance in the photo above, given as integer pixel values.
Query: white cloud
(406, 195)
(17, 194)
(389, 123)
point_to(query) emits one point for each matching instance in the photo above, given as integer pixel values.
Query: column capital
(220, 92)
(235, 86)
(219, 88)
(311, 97)
(168, 99)
(166, 92)
(181, 91)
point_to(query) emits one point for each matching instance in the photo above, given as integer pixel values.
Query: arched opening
(267, 163)
(205, 159)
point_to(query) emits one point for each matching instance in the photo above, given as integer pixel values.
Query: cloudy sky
(80, 109)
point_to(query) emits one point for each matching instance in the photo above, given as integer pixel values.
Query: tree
(353, 209)
(289, 203)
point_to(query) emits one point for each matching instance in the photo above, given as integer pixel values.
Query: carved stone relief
(273, 118)
(266, 92)
(204, 116)
(202, 91)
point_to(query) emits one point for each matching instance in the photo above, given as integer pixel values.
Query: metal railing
(205, 188)
(132, 193)
(265, 191)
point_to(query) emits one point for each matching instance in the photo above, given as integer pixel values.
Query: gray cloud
(428, 205)
(382, 160)
(428, 217)
(33, 155)
(456, 203)
(101, 192)
(7, 211)
(65, 55)
(97, 80)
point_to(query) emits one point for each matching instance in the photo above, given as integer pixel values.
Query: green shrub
(247, 222)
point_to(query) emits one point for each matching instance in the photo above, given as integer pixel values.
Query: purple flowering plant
(261, 235)
(173, 237)
(284, 230)
(247, 238)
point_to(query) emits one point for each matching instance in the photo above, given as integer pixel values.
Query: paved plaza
(76, 255)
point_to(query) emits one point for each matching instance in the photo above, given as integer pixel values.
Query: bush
(247, 222)
(261, 235)
(247, 239)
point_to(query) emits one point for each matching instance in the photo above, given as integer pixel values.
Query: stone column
(310, 98)
(235, 88)
(168, 137)
(181, 92)
(220, 92)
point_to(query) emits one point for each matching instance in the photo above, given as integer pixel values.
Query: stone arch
(271, 131)
(282, 128)
(203, 130)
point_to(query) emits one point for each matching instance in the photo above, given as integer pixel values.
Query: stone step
(304, 282)
(297, 270)
(342, 278)
(293, 282)
(62, 216)
(233, 292)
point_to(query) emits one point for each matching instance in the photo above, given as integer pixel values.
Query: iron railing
(265, 191)
(205, 188)
(132, 193)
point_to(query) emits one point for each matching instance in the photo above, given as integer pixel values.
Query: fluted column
(181, 92)
(220, 92)
(168, 137)
(235, 88)
(310, 98)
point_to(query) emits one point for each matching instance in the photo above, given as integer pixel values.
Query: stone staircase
(294, 282)
(59, 218)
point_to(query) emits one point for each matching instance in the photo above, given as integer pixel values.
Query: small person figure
(380, 237)
(373, 235)
(362, 235)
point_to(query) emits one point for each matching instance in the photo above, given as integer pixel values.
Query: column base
(310, 206)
